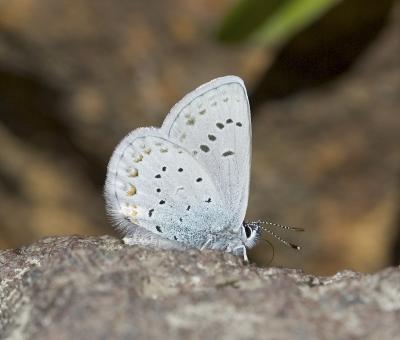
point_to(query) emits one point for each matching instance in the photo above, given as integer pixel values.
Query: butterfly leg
(143, 237)
(208, 242)
(246, 259)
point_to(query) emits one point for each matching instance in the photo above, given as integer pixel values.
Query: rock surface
(97, 288)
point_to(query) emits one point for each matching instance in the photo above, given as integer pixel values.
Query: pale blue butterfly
(187, 183)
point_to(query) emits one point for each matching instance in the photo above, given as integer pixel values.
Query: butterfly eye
(247, 230)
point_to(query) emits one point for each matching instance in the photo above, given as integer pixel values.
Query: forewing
(158, 185)
(213, 123)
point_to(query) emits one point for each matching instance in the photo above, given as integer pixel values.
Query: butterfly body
(186, 184)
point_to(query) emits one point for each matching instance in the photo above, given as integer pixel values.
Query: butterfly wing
(213, 123)
(157, 185)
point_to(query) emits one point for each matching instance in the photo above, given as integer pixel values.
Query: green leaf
(246, 17)
(270, 21)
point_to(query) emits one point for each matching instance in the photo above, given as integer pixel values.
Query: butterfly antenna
(286, 227)
(286, 243)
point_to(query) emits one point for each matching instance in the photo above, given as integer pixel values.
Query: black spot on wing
(204, 148)
(228, 153)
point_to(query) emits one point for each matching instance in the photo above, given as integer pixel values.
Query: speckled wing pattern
(157, 185)
(213, 123)
(188, 180)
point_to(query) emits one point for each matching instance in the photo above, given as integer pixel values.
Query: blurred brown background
(76, 76)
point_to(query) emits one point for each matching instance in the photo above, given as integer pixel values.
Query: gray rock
(97, 288)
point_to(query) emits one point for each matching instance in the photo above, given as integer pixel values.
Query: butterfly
(186, 184)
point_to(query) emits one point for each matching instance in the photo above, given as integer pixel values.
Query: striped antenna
(286, 243)
(286, 227)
